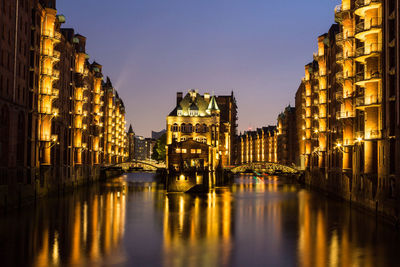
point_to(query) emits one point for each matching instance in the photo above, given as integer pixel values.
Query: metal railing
(372, 134)
(368, 100)
(345, 114)
(368, 49)
(368, 24)
(363, 3)
(361, 76)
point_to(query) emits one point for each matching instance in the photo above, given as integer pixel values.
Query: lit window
(198, 151)
(178, 150)
(184, 151)
(193, 151)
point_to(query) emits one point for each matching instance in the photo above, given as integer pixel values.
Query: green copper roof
(213, 104)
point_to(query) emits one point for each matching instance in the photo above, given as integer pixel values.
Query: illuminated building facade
(275, 144)
(348, 109)
(53, 105)
(196, 117)
(260, 145)
(287, 151)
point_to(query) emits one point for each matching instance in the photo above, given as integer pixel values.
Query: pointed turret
(213, 106)
(130, 131)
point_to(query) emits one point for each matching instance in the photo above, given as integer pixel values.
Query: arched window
(189, 128)
(4, 135)
(21, 139)
(175, 127)
(198, 128)
(183, 128)
(204, 128)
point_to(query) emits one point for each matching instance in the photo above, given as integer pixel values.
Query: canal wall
(363, 191)
(19, 186)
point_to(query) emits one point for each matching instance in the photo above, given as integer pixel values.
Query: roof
(192, 101)
(130, 129)
(213, 104)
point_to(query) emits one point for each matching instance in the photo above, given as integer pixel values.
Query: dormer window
(193, 113)
(193, 110)
(179, 111)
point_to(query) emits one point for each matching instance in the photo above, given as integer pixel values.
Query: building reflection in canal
(255, 221)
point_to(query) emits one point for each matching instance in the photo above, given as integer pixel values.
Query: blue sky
(153, 48)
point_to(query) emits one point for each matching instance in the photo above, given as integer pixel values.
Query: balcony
(364, 5)
(318, 57)
(51, 34)
(52, 54)
(341, 14)
(372, 134)
(339, 96)
(348, 142)
(55, 74)
(339, 77)
(368, 101)
(370, 50)
(55, 92)
(339, 56)
(363, 78)
(369, 26)
(345, 115)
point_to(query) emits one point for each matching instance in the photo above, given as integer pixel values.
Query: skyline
(149, 54)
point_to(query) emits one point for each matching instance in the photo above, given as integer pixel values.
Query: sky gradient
(152, 49)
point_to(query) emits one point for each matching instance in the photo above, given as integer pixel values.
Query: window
(183, 127)
(198, 151)
(183, 138)
(193, 151)
(175, 128)
(198, 128)
(193, 112)
(189, 128)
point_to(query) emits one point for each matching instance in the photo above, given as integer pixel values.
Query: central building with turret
(196, 142)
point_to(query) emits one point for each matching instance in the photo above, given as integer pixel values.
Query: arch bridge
(264, 167)
(145, 164)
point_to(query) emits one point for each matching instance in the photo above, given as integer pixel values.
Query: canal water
(132, 221)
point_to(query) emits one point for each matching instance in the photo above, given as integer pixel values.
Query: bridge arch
(153, 165)
(269, 167)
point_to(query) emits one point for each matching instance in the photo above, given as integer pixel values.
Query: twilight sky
(153, 48)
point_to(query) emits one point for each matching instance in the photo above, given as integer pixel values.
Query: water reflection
(256, 221)
(198, 229)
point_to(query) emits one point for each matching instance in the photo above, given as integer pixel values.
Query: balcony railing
(372, 134)
(348, 142)
(364, 77)
(363, 3)
(52, 34)
(339, 95)
(368, 100)
(55, 92)
(51, 72)
(345, 114)
(339, 75)
(339, 56)
(370, 23)
(369, 49)
(341, 14)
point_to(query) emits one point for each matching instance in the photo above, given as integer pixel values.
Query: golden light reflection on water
(199, 226)
(256, 220)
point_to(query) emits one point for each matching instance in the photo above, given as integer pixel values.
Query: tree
(159, 152)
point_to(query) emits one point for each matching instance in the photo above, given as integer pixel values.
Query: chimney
(179, 96)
